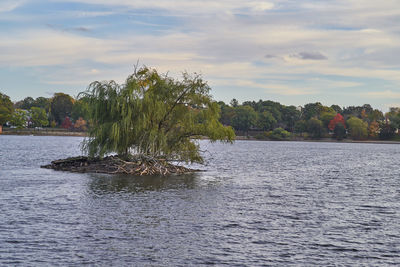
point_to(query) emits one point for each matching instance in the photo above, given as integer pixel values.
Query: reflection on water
(257, 204)
(105, 184)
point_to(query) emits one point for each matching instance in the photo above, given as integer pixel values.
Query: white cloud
(10, 5)
(199, 7)
(286, 90)
(384, 94)
(47, 47)
(341, 39)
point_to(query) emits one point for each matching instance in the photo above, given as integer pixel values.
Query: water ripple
(257, 204)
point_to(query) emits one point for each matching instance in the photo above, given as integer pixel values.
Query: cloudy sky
(344, 52)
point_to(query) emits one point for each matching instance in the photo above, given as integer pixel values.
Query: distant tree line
(263, 119)
(272, 120)
(61, 111)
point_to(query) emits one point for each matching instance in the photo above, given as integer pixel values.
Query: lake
(256, 203)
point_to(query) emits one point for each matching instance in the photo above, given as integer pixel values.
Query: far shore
(321, 140)
(42, 132)
(63, 132)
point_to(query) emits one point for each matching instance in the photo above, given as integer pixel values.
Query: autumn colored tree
(327, 117)
(373, 129)
(335, 121)
(80, 124)
(66, 124)
(364, 115)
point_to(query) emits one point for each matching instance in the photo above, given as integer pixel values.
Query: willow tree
(152, 115)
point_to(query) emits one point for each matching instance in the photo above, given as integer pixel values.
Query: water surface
(257, 203)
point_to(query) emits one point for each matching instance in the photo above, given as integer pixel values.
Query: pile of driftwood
(115, 165)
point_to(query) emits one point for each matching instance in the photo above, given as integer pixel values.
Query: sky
(344, 52)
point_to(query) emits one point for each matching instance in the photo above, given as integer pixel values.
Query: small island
(114, 165)
(146, 125)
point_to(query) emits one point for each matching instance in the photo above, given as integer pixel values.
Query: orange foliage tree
(373, 129)
(80, 124)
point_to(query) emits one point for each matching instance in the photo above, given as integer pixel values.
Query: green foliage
(80, 109)
(262, 135)
(38, 117)
(19, 118)
(234, 103)
(311, 110)
(337, 108)
(227, 113)
(61, 107)
(279, 134)
(300, 126)
(245, 118)
(275, 108)
(387, 131)
(315, 128)
(265, 121)
(358, 129)
(394, 117)
(376, 115)
(29, 102)
(152, 115)
(42, 102)
(6, 109)
(361, 112)
(315, 110)
(326, 117)
(339, 132)
(269, 115)
(290, 115)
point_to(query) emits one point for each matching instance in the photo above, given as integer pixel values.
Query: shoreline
(322, 140)
(53, 132)
(60, 132)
